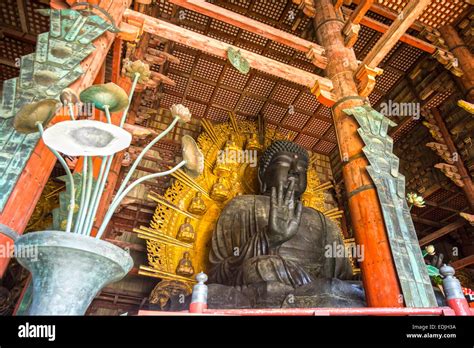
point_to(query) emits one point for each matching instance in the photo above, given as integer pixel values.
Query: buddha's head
(282, 162)
(187, 220)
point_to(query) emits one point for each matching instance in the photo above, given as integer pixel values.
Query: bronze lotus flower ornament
(415, 200)
(29, 115)
(131, 69)
(108, 94)
(182, 112)
(192, 155)
(86, 138)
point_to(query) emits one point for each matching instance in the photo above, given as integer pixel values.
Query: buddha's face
(284, 168)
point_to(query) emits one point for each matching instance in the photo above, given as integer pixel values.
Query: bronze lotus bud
(182, 112)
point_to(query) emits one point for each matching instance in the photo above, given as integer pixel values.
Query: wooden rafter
(399, 26)
(18, 35)
(426, 221)
(8, 62)
(256, 27)
(467, 261)
(22, 15)
(212, 46)
(360, 11)
(390, 14)
(442, 231)
(468, 187)
(405, 38)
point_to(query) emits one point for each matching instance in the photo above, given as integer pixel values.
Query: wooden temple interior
(423, 58)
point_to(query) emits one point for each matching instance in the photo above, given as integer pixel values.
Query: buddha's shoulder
(313, 214)
(246, 200)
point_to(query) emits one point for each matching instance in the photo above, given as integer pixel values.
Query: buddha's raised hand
(284, 218)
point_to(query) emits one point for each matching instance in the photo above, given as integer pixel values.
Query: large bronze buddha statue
(270, 251)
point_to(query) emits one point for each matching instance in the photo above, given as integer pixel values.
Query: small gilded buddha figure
(186, 232)
(185, 267)
(219, 190)
(230, 144)
(253, 144)
(197, 205)
(228, 157)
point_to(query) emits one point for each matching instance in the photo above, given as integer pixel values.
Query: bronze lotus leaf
(238, 62)
(45, 77)
(193, 156)
(137, 66)
(61, 51)
(105, 94)
(68, 96)
(27, 117)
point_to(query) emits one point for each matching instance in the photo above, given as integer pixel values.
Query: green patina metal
(54, 66)
(237, 61)
(60, 214)
(383, 169)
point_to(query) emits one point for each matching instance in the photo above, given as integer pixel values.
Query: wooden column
(466, 60)
(468, 187)
(378, 271)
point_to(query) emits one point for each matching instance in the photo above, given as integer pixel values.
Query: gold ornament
(164, 250)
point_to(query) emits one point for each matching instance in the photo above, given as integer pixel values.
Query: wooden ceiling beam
(442, 231)
(467, 261)
(22, 15)
(426, 222)
(389, 14)
(468, 187)
(212, 46)
(406, 38)
(362, 7)
(9, 63)
(256, 27)
(19, 35)
(399, 26)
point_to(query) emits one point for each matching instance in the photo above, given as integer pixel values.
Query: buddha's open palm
(284, 217)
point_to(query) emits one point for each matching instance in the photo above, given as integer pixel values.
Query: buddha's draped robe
(241, 255)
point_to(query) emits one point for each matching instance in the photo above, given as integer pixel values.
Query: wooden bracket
(316, 56)
(451, 172)
(449, 61)
(433, 36)
(350, 32)
(307, 6)
(366, 79)
(442, 151)
(324, 95)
